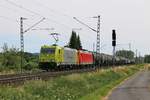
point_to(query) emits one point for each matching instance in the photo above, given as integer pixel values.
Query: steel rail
(15, 79)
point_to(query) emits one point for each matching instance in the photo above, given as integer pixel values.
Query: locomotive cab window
(48, 50)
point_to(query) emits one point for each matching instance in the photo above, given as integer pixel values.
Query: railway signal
(113, 38)
(113, 44)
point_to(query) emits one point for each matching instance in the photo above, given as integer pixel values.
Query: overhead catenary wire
(84, 24)
(38, 14)
(14, 11)
(57, 12)
(10, 19)
(34, 25)
(21, 7)
(54, 11)
(17, 11)
(35, 13)
(2, 6)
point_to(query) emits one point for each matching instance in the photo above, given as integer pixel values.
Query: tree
(5, 48)
(79, 46)
(147, 59)
(10, 59)
(10, 56)
(125, 53)
(73, 40)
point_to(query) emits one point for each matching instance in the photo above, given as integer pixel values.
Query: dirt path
(135, 88)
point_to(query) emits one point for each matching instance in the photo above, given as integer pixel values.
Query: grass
(85, 86)
(123, 72)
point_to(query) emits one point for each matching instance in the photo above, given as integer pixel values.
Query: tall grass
(85, 86)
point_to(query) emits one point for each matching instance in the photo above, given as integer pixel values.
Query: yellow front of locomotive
(50, 57)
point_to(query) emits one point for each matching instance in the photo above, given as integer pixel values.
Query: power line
(10, 19)
(14, 10)
(40, 4)
(21, 7)
(34, 25)
(35, 13)
(2, 6)
(38, 14)
(84, 24)
(28, 10)
(46, 7)
(58, 23)
(54, 11)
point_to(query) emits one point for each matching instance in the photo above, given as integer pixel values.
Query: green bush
(10, 59)
(30, 66)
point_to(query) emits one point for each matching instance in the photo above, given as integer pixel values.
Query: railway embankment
(83, 86)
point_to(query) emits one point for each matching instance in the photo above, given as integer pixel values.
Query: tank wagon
(56, 57)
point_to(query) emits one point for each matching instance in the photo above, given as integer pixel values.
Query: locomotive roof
(50, 46)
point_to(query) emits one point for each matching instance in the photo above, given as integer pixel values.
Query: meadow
(84, 86)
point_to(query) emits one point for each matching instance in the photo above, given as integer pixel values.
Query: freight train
(56, 57)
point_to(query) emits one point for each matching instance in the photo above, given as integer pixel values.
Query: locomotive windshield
(48, 50)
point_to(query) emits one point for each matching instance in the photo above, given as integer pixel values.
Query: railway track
(15, 79)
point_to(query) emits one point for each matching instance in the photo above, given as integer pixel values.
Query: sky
(130, 19)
